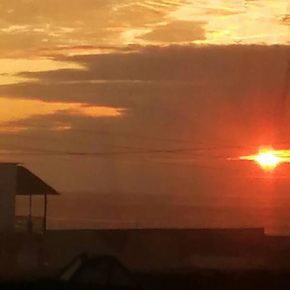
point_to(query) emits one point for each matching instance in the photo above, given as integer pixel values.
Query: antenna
(280, 110)
(285, 91)
(281, 113)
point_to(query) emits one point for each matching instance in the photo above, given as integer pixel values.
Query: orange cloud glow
(14, 109)
(11, 68)
(117, 24)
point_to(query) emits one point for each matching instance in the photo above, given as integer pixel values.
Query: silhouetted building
(16, 180)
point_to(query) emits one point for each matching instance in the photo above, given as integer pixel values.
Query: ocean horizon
(88, 210)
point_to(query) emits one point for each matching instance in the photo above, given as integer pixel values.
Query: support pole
(45, 213)
(29, 224)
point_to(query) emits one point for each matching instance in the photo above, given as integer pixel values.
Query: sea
(91, 210)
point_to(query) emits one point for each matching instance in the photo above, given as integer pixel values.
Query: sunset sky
(143, 96)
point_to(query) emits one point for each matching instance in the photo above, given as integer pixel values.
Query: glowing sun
(269, 158)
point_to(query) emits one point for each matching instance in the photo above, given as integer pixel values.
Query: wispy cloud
(10, 69)
(12, 110)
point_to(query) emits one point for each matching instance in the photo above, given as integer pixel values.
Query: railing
(21, 224)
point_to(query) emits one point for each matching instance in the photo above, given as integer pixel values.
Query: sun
(267, 159)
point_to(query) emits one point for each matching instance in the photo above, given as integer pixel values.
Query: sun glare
(269, 158)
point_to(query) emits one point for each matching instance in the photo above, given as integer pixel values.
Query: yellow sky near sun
(224, 22)
(260, 22)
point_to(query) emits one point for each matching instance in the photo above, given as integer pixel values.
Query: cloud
(172, 63)
(194, 92)
(223, 11)
(31, 28)
(10, 68)
(85, 49)
(176, 32)
(12, 110)
(62, 12)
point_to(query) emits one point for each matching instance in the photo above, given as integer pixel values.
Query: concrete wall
(161, 250)
(145, 250)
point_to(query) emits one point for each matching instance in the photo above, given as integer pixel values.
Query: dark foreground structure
(128, 258)
(150, 251)
(155, 259)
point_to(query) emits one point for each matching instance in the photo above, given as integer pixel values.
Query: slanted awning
(30, 184)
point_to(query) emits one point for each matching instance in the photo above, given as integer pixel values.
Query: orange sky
(142, 86)
(32, 32)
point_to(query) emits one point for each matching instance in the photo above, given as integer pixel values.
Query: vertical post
(29, 224)
(45, 213)
(30, 206)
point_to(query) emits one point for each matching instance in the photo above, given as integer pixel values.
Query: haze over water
(81, 210)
